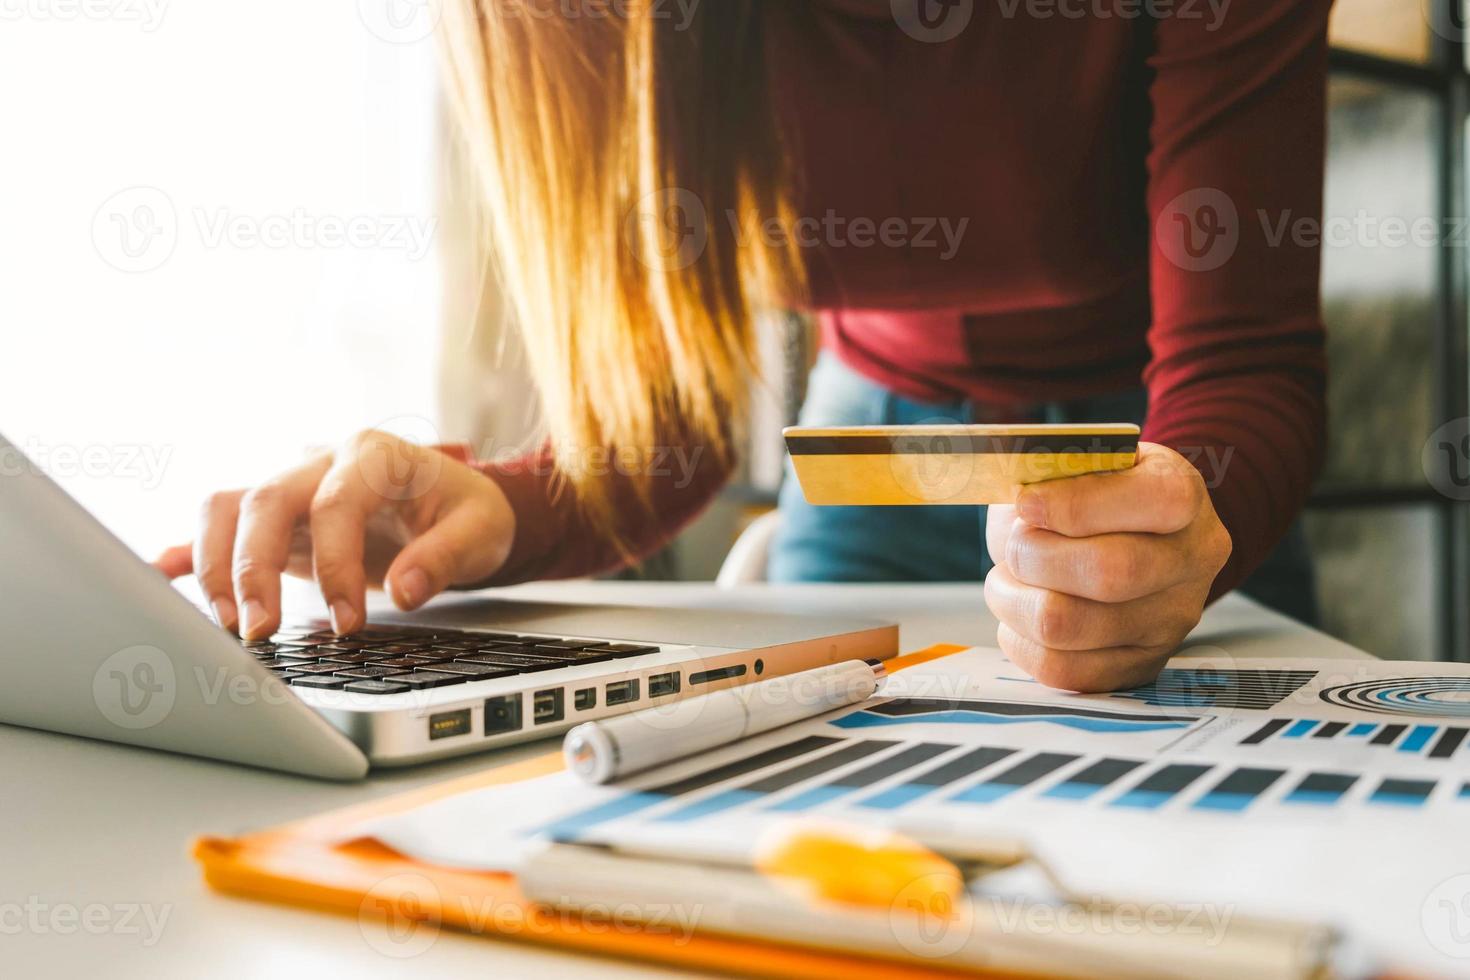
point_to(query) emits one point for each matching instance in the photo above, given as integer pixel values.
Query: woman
(998, 213)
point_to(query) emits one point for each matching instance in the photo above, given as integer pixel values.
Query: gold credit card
(912, 465)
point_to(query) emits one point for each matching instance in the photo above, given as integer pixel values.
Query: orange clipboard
(317, 863)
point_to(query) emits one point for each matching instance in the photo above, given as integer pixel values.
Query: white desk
(87, 823)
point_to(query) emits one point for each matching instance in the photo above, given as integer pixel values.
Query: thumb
(466, 545)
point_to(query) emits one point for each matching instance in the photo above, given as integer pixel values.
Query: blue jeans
(947, 544)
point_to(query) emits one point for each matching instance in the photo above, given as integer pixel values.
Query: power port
(621, 692)
(547, 706)
(502, 714)
(447, 724)
(661, 684)
(585, 699)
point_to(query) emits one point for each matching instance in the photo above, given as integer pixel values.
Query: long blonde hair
(620, 158)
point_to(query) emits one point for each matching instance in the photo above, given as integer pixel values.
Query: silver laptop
(96, 643)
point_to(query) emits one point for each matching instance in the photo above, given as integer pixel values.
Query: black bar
(822, 764)
(1030, 770)
(956, 769)
(1447, 743)
(1102, 772)
(1387, 735)
(1247, 782)
(892, 765)
(909, 444)
(1330, 729)
(740, 767)
(1324, 784)
(1407, 790)
(1265, 731)
(1170, 779)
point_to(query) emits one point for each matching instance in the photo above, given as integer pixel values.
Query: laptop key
(420, 679)
(523, 664)
(355, 658)
(437, 656)
(473, 672)
(398, 649)
(629, 649)
(570, 644)
(368, 672)
(300, 656)
(306, 667)
(570, 657)
(279, 663)
(324, 683)
(403, 663)
(377, 687)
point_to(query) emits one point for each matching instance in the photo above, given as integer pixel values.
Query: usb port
(621, 692)
(502, 714)
(661, 684)
(547, 706)
(585, 699)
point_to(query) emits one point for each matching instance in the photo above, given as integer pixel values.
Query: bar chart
(896, 775)
(1427, 741)
(1209, 687)
(937, 711)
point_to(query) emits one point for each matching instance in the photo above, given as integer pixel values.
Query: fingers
(339, 515)
(999, 518)
(1161, 494)
(1087, 672)
(267, 519)
(465, 545)
(176, 561)
(214, 551)
(1059, 621)
(1105, 568)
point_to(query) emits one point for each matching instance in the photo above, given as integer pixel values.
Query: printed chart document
(1321, 791)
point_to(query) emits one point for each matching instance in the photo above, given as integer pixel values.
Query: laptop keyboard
(394, 659)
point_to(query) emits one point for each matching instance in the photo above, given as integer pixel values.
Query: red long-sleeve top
(1080, 204)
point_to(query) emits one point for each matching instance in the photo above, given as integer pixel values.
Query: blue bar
(1299, 728)
(1322, 788)
(897, 796)
(1143, 799)
(1362, 728)
(1465, 791)
(571, 826)
(1317, 797)
(807, 799)
(1418, 738)
(1233, 802)
(1072, 791)
(726, 800)
(984, 793)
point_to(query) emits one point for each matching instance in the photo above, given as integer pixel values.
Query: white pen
(602, 751)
